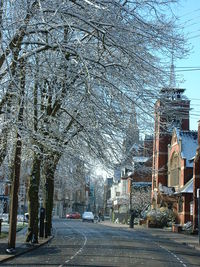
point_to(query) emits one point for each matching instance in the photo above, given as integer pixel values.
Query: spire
(132, 133)
(172, 82)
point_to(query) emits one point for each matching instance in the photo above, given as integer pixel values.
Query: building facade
(176, 158)
(171, 110)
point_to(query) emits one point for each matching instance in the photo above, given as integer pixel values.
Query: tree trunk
(14, 194)
(17, 166)
(48, 171)
(34, 180)
(33, 201)
(3, 143)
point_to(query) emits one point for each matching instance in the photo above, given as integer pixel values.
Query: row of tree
(70, 72)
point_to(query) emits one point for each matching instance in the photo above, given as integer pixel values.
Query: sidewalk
(21, 246)
(181, 238)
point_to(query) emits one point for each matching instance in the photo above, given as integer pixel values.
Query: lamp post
(45, 210)
(130, 200)
(131, 224)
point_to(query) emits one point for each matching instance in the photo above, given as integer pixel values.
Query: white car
(88, 216)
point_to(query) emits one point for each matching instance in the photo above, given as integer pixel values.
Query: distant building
(120, 200)
(107, 196)
(71, 190)
(136, 176)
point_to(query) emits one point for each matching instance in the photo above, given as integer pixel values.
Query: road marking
(80, 250)
(174, 255)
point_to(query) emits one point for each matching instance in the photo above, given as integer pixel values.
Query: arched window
(174, 170)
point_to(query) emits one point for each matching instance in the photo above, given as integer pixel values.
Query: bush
(161, 217)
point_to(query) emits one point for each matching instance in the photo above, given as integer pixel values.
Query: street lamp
(131, 223)
(130, 200)
(46, 200)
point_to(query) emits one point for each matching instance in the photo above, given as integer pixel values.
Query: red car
(73, 215)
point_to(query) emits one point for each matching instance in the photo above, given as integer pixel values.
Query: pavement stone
(21, 246)
(183, 237)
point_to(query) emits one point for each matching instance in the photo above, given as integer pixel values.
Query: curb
(28, 249)
(194, 246)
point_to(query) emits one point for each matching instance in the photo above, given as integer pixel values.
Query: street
(90, 244)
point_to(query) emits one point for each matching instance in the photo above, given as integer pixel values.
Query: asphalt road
(90, 244)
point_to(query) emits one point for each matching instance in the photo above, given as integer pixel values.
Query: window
(180, 204)
(191, 208)
(174, 170)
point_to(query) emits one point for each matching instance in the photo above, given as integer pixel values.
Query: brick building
(181, 152)
(171, 110)
(196, 181)
(176, 157)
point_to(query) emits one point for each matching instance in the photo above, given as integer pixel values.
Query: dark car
(73, 215)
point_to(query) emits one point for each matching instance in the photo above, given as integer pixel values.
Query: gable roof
(189, 144)
(187, 188)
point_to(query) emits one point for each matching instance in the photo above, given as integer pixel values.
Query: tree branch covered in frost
(140, 199)
(88, 62)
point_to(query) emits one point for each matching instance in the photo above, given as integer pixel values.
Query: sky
(188, 12)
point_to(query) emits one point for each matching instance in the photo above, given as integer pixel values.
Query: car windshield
(88, 213)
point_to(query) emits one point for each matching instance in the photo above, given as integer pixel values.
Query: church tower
(131, 140)
(171, 110)
(132, 133)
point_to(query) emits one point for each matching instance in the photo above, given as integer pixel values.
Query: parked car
(20, 217)
(26, 217)
(73, 215)
(88, 216)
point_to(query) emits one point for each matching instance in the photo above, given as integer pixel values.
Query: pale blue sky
(189, 13)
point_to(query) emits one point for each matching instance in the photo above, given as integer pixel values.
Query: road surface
(85, 244)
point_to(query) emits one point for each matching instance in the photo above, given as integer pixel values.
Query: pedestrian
(131, 224)
(99, 216)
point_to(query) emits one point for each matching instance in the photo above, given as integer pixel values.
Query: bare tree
(87, 63)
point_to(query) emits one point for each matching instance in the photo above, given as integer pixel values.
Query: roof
(189, 141)
(166, 190)
(187, 188)
(169, 89)
(141, 184)
(140, 159)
